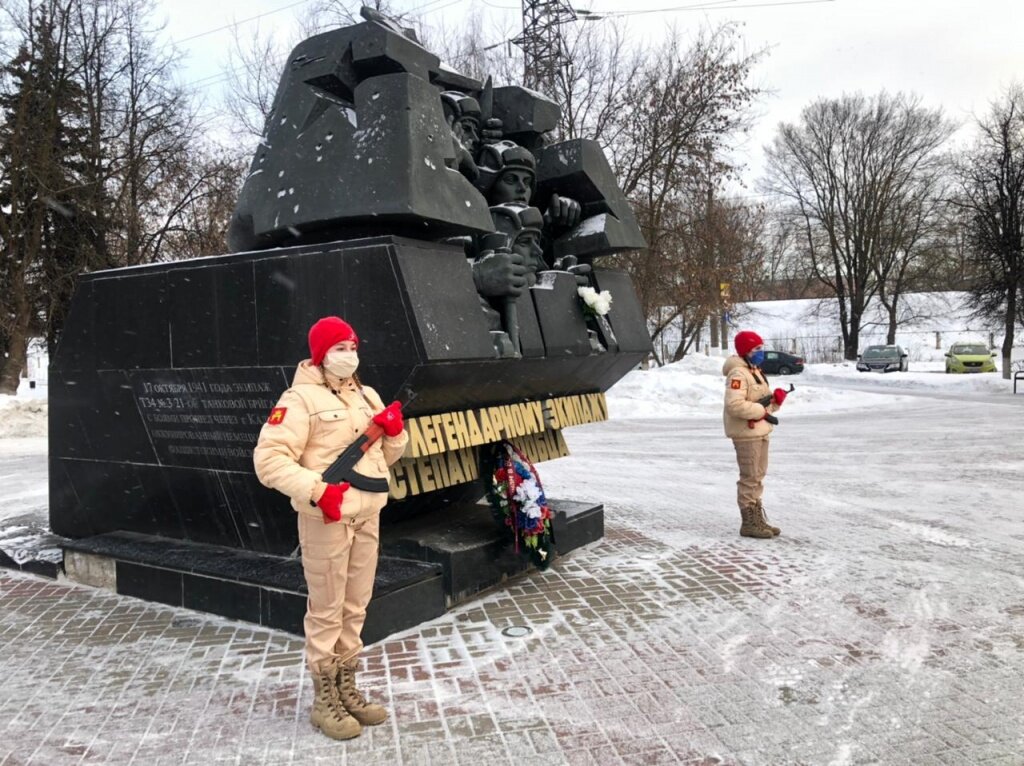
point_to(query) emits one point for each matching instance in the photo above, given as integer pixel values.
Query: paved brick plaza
(615, 671)
(893, 635)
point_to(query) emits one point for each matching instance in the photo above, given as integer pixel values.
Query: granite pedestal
(258, 588)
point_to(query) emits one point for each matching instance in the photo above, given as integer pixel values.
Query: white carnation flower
(599, 303)
(528, 495)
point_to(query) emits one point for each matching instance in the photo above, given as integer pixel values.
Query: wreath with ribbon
(518, 502)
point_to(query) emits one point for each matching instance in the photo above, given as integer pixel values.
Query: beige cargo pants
(340, 561)
(752, 458)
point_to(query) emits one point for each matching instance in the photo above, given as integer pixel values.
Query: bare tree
(204, 195)
(784, 276)
(751, 258)
(254, 67)
(594, 89)
(911, 243)
(474, 47)
(991, 198)
(679, 111)
(257, 57)
(851, 170)
(711, 257)
(95, 144)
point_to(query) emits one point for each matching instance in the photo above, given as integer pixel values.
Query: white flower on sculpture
(599, 303)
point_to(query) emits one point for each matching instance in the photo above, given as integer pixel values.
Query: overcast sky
(954, 54)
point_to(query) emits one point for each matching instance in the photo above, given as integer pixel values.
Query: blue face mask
(756, 357)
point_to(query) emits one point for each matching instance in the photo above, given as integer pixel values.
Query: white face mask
(341, 364)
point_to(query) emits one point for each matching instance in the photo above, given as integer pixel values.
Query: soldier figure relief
(371, 134)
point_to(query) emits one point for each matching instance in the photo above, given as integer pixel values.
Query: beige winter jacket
(742, 415)
(310, 427)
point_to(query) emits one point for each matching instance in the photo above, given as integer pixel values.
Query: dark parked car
(781, 363)
(883, 359)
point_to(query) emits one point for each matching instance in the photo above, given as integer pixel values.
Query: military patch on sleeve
(735, 384)
(277, 415)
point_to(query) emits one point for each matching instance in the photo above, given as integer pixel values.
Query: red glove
(330, 502)
(390, 419)
(779, 396)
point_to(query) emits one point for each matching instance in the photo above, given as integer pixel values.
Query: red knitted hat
(328, 332)
(747, 341)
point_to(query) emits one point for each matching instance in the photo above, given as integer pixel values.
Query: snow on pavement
(884, 626)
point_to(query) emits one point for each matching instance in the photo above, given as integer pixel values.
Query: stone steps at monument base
(475, 552)
(243, 585)
(426, 567)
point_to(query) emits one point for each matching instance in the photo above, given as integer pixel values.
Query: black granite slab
(264, 590)
(213, 312)
(579, 169)
(93, 414)
(469, 546)
(167, 449)
(130, 330)
(217, 562)
(627, 315)
(562, 324)
(150, 583)
(531, 343)
(228, 598)
(475, 551)
(285, 610)
(576, 524)
(403, 608)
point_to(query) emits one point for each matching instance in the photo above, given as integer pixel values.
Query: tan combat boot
(367, 713)
(764, 519)
(752, 526)
(328, 714)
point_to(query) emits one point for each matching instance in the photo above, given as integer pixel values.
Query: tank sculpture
(431, 211)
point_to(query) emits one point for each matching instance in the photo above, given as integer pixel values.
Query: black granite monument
(363, 200)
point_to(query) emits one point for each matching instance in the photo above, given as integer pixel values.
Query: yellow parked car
(972, 356)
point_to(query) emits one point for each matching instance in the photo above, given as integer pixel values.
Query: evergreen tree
(41, 146)
(100, 160)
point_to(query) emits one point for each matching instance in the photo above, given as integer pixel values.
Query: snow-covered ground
(689, 389)
(884, 626)
(693, 386)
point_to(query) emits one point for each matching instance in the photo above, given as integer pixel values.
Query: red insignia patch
(735, 384)
(277, 415)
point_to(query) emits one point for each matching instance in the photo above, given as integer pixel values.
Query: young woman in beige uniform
(325, 410)
(746, 420)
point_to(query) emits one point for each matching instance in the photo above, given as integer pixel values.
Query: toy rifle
(765, 400)
(344, 467)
